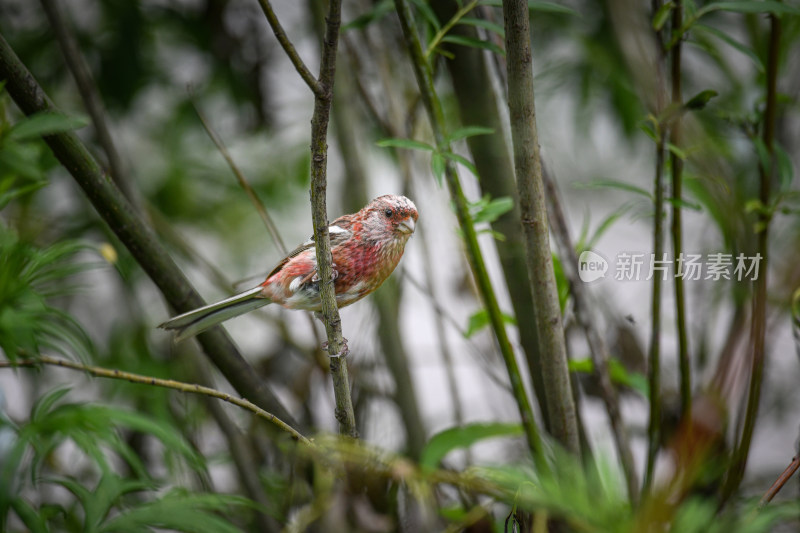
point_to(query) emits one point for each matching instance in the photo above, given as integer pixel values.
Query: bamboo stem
(677, 225)
(436, 115)
(533, 212)
(759, 315)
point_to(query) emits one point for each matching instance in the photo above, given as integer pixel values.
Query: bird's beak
(407, 226)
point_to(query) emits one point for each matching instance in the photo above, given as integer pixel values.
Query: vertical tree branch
(319, 213)
(530, 191)
(478, 106)
(135, 234)
(677, 210)
(315, 85)
(759, 324)
(436, 115)
(597, 344)
(387, 300)
(654, 351)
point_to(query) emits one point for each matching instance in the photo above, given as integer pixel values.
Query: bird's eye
(388, 213)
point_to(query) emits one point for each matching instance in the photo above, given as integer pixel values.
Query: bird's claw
(334, 274)
(342, 353)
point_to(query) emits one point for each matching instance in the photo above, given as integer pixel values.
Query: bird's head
(391, 215)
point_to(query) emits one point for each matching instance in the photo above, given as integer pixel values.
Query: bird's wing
(338, 234)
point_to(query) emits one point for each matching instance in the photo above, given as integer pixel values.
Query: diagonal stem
(137, 237)
(192, 388)
(316, 86)
(436, 116)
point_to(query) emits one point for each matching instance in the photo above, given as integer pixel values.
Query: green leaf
(469, 131)
(473, 43)
(427, 13)
(477, 321)
(662, 15)
(562, 283)
(736, 45)
(29, 516)
(180, 511)
(462, 437)
(20, 160)
(44, 405)
(480, 319)
(378, 11)
(17, 192)
(614, 184)
(617, 371)
(437, 167)
(701, 99)
(677, 151)
(45, 123)
(463, 160)
(405, 143)
(485, 24)
(604, 226)
(538, 6)
(489, 210)
(785, 168)
(753, 6)
(683, 203)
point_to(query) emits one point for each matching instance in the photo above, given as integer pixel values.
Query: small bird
(365, 246)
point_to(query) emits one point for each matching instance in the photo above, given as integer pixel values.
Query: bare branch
(316, 86)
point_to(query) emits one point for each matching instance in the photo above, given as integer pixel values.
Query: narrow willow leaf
(662, 15)
(437, 167)
(733, 43)
(538, 6)
(614, 184)
(677, 151)
(462, 160)
(427, 13)
(480, 319)
(485, 24)
(29, 516)
(405, 143)
(701, 99)
(462, 437)
(378, 11)
(45, 123)
(754, 6)
(469, 131)
(473, 43)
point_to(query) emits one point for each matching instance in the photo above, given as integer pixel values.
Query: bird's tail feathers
(199, 320)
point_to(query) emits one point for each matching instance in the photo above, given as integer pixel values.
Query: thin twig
(319, 184)
(594, 338)
(677, 227)
(780, 482)
(272, 229)
(137, 237)
(759, 316)
(316, 86)
(654, 351)
(461, 13)
(257, 203)
(165, 383)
